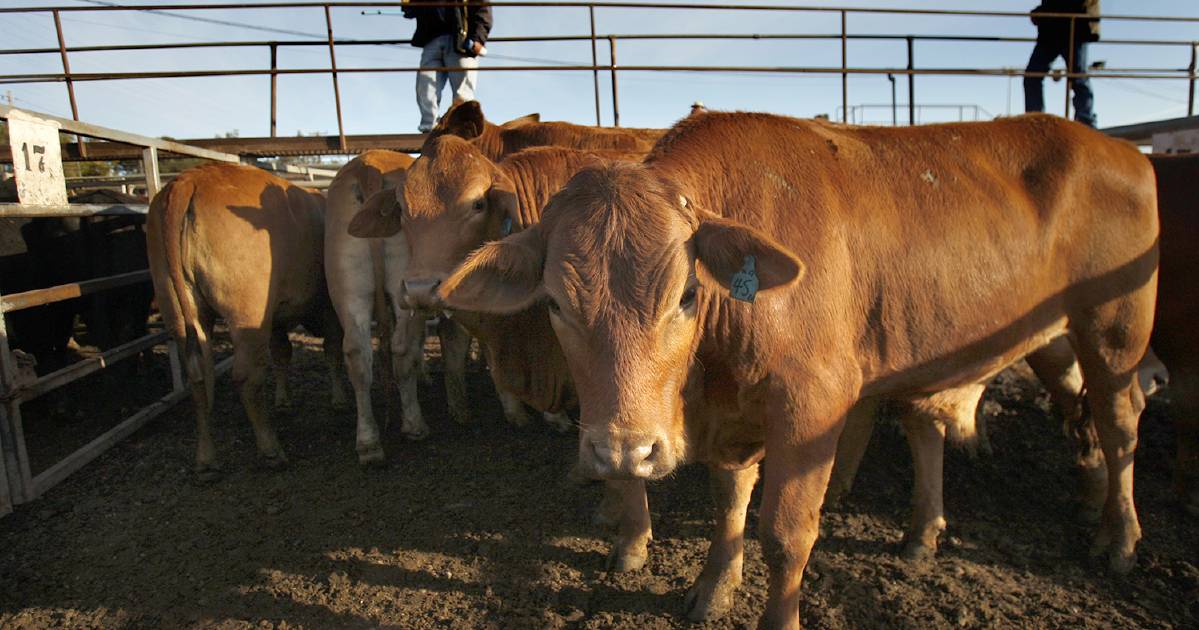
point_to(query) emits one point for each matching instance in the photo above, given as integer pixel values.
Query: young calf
(760, 278)
(236, 242)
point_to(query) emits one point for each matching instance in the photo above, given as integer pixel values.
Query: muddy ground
(479, 526)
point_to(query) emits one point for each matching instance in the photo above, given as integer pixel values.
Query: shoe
(424, 128)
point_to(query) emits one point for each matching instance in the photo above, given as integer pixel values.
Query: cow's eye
(480, 204)
(688, 299)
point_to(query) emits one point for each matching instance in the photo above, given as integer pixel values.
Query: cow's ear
(464, 120)
(726, 248)
(501, 199)
(500, 277)
(379, 216)
(527, 119)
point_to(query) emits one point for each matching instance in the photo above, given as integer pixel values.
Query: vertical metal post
(274, 86)
(911, 82)
(844, 74)
(1191, 82)
(13, 457)
(341, 132)
(594, 66)
(66, 70)
(894, 105)
(1070, 68)
(150, 168)
(615, 99)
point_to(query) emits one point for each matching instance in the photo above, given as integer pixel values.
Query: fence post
(274, 85)
(1070, 68)
(13, 457)
(615, 100)
(844, 74)
(594, 67)
(66, 70)
(150, 168)
(1191, 82)
(911, 82)
(341, 132)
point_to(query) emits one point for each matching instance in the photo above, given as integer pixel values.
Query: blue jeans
(440, 53)
(1042, 57)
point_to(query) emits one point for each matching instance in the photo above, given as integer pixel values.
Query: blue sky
(384, 103)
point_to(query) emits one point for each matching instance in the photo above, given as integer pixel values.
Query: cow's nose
(421, 293)
(635, 457)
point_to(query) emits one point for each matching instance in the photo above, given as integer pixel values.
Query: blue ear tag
(745, 282)
(506, 226)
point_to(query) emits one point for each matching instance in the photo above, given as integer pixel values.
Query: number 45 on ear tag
(745, 282)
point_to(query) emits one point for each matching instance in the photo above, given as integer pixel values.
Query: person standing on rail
(450, 37)
(1053, 41)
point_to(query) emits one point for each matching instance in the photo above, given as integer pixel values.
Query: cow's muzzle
(633, 457)
(421, 293)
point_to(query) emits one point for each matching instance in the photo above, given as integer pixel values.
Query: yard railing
(34, 137)
(843, 37)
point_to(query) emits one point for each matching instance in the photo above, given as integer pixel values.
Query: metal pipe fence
(844, 37)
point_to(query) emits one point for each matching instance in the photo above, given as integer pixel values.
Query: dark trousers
(1042, 57)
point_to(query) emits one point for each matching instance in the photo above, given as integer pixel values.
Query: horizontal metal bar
(80, 369)
(247, 147)
(1005, 72)
(16, 210)
(38, 297)
(82, 457)
(96, 131)
(569, 38)
(584, 5)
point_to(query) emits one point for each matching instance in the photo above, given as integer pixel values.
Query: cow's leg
(1057, 368)
(280, 361)
(514, 409)
(250, 348)
(407, 351)
(1111, 340)
(925, 424)
(859, 425)
(355, 315)
(712, 594)
(608, 512)
(198, 362)
(331, 344)
(630, 550)
(455, 349)
(559, 420)
(799, 460)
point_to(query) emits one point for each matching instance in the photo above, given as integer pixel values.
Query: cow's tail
(170, 218)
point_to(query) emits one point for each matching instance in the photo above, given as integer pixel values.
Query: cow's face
(453, 200)
(628, 267)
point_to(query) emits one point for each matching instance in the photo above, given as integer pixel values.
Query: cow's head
(453, 200)
(628, 268)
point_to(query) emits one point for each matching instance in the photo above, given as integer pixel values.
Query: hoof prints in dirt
(482, 526)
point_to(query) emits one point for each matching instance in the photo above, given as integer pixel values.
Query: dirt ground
(479, 526)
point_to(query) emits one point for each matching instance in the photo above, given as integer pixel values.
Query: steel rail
(830, 70)
(576, 38)
(584, 5)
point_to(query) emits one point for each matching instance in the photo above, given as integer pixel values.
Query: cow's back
(252, 238)
(934, 245)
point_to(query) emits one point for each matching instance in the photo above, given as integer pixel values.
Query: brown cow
(1174, 336)
(236, 242)
(497, 141)
(907, 261)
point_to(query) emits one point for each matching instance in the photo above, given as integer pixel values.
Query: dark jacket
(1058, 29)
(432, 22)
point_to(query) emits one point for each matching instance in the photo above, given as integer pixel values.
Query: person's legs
(462, 84)
(430, 82)
(1084, 99)
(1041, 58)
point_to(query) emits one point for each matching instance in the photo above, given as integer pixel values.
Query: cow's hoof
(517, 417)
(372, 456)
(415, 435)
(274, 461)
(1121, 562)
(916, 551)
(560, 422)
(709, 600)
(624, 561)
(208, 473)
